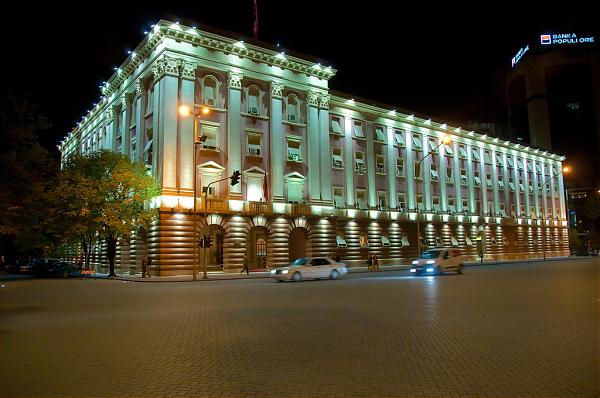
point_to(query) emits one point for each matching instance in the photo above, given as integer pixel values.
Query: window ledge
(379, 142)
(381, 174)
(199, 108)
(293, 123)
(359, 138)
(255, 116)
(336, 134)
(294, 161)
(337, 168)
(148, 115)
(250, 155)
(399, 145)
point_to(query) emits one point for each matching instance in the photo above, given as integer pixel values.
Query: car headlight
(285, 271)
(415, 262)
(429, 270)
(413, 270)
(273, 272)
(430, 261)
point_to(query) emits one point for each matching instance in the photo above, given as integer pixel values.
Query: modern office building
(322, 173)
(553, 96)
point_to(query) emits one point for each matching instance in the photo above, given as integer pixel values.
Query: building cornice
(440, 127)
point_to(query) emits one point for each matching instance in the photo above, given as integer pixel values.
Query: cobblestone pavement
(520, 330)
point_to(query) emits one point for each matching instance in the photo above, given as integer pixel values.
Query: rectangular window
(294, 150)
(338, 197)
(520, 163)
(465, 205)
(475, 153)
(417, 170)
(529, 166)
(432, 144)
(359, 162)
(487, 157)
(337, 158)
(254, 142)
(476, 179)
(435, 203)
(488, 181)
(148, 159)
(538, 167)
(451, 205)
(499, 160)
(212, 135)
(500, 183)
(336, 127)
(401, 201)
(420, 205)
(381, 200)
(341, 242)
(511, 184)
(294, 191)
(463, 176)
(509, 162)
(448, 150)
(462, 151)
(416, 141)
(379, 134)
(358, 129)
(361, 199)
(521, 186)
(399, 137)
(530, 186)
(502, 210)
(399, 167)
(449, 175)
(385, 242)
(434, 172)
(380, 164)
(149, 100)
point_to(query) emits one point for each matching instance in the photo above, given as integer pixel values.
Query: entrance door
(297, 243)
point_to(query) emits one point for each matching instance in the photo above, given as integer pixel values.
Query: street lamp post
(565, 170)
(445, 140)
(185, 111)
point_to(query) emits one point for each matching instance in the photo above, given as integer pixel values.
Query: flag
(255, 21)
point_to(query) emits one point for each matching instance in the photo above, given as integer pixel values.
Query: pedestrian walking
(145, 266)
(245, 267)
(481, 256)
(376, 262)
(370, 263)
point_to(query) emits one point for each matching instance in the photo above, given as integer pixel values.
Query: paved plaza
(518, 330)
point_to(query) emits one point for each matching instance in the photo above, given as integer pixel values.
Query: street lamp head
(446, 139)
(205, 110)
(184, 110)
(566, 169)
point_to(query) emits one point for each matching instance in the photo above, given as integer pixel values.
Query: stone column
(140, 128)
(409, 170)
(442, 176)
(561, 194)
(391, 167)
(277, 157)
(312, 134)
(125, 122)
(234, 123)
(349, 162)
(325, 150)
(186, 131)
(495, 183)
(166, 75)
(370, 154)
(111, 136)
(470, 178)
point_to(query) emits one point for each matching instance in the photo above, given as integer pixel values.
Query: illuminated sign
(519, 55)
(565, 38)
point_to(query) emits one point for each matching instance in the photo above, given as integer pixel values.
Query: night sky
(444, 61)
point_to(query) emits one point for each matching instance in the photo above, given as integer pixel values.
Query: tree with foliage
(591, 210)
(27, 175)
(104, 195)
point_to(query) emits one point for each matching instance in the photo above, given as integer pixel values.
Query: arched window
(210, 91)
(292, 108)
(253, 100)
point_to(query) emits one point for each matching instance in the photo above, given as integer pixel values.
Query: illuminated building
(322, 173)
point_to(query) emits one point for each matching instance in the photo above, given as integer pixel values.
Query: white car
(438, 261)
(309, 268)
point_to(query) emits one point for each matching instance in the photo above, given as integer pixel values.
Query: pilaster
(325, 150)
(234, 123)
(312, 133)
(277, 157)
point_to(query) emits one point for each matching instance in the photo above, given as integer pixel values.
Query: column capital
(276, 89)
(187, 70)
(313, 98)
(234, 80)
(109, 114)
(324, 100)
(166, 66)
(138, 86)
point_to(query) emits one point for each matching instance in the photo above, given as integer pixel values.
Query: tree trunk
(111, 253)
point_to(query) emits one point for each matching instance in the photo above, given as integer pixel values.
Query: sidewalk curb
(353, 270)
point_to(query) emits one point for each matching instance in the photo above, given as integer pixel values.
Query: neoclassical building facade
(322, 173)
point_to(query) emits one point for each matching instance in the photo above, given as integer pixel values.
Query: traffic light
(207, 241)
(235, 178)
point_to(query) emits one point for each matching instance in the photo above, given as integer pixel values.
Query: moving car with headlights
(310, 268)
(437, 262)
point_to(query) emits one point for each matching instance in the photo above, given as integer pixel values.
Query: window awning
(385, 241)
(341, 242)
(335, 126)
(405, 242)
(399, 139)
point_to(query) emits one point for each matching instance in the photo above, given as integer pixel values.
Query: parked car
(310, 268)
(52, 267)
(438, 261)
